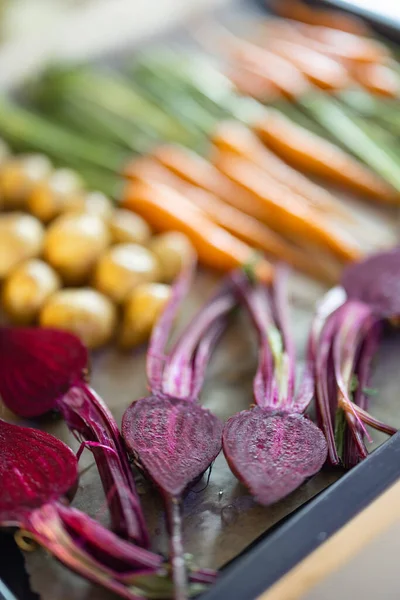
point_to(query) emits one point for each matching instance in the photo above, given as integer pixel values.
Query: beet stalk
(37, 471)
(44, 369)
(343, 340)
(272, 447)
(173, 439)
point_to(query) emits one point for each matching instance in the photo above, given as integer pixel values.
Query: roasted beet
(44, 369)
(343, 339)
(172, 438)
(36, 472)
(272, 448)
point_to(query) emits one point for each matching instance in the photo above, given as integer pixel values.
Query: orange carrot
(309, 152)
(346, 45)
(321, 70)
(198, 171)
(166, 209)
(251, 83)
(239, 224)
(299, 11)
(236, 138)
(378, 79)
(339, 45)
(283, 209)
(274, 69)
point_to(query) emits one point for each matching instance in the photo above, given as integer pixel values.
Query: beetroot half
(173, 439)
(36, 472)
(343, 340)
(272, 448)
(44, 369)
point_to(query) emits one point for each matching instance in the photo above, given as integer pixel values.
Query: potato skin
(61, 192)
(141, 311)
(122, 268)
(19, 175)
(173, 249)
(21, 238)
(73, 244)
(82, 311)
(128, 227)
(27, 288)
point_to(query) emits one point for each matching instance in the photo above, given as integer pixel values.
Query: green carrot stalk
(350, 131)
(117, 95)
(25, 129)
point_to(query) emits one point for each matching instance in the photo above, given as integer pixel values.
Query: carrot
(346, 45)
(299, 11)
(276, 70)
(249, 82)
(285, 210)
(198, 171)
(166, 209)
(239, 224)
(236, 138)
(309, 152)
(378, 79)
(339, 45)
(321, 70)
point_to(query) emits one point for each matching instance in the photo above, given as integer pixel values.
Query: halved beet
(35, 469)
(273, 453)
(38, 366)
(174, 440)
(376, 281)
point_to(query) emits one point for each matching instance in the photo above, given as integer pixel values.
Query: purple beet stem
(178, 376)
(272, 448)
(88, 416)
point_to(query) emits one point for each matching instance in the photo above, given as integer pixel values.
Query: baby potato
(60, 192)
(84, 312)
(73, 244)
(128, 227)
(173, 249)
(27, 288)
(122, 268)
(21, 237)
(141, 311)
(95, 203)
(19, 175)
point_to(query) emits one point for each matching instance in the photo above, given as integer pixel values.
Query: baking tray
(274, 553)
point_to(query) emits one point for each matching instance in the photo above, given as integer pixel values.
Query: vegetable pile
(54, 234)
(229, 169)
(198, 155)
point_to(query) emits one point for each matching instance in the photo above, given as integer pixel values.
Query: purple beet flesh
(272, 448)
(273, 454)
(44, 369)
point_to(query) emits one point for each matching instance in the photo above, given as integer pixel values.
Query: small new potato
(128, 227)
(141, 311)
(84, 312)
(21, 237)
(122, 268)
(61, 192)
(74, 243)
(27, 288)
(19, 175)
(95, 203)
(173, 250)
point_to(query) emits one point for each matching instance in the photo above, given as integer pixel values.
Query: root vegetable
(85, 312)
(122, 268)
(21, 237)
(74, 243)
(27, 288)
